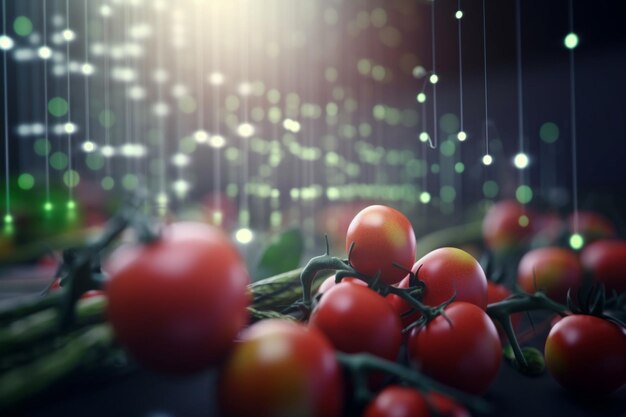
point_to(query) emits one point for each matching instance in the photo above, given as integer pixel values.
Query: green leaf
(282, 254)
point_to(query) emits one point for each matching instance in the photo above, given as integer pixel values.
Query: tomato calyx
(358, 365)
(591, 300)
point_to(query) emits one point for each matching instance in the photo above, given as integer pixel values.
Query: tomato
(555, 270)
(587, 355)
(281, 368)
(92, 294)
(446, 272)
(445, 406)
(330, 282)
(606, 260)
(398, 401)
(382, 236)
(592, 226)
(503, 229)
(464, 353)
(356, 319)
(498, 292)
(177, 303)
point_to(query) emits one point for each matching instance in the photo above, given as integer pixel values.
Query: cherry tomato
(177, 303)
(281, 368)
(555, 270)
(498, 292)
(446, 272)
(445, 406)
(330, 282)
(464, 353)
(382, 236)
(606, 260)
(587, 355)
(505, 228)
(356, 319)
(592, 226)
(398, 401)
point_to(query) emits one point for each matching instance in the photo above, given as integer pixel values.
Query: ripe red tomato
(445, 406)
(498, 292)
(398, 401)
(382, 236)
(330, 282)
(502, 228)
(177, 303)
(552, 269)
(606, 260)
(356, 319)
(281, 368)
(465, 353)
(445, 272)
(587, 355)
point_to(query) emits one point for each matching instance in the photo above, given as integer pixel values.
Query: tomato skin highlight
(281, 368)
(398, 401)
(465, 354)
(552, 269)
(329, 283)
(176, 304)
(587, 355)
(382, 236)
(606, 260)
(358, 320)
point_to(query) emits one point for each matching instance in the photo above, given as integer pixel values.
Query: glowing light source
(421, 98)
(459, 14)
(217, 141)
(571, 40)
(107, 151)
(424, 136)
(521, 160)
(487, 159)
(434, 79)
(201, 136)
(576, 241)
(87, 68)
(68, 35)
(88, 146)
(71, 205)
(524, 194)
(44, 52)
(69, 128)
(216, 78)
(48, 206)
(461, 136)
(8, 218)
(245, 130)
(425, 197)
(244, 236)
(418, 72)
(180, 160)
(6, 43)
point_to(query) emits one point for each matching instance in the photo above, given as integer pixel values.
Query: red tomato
(555, 270)
(495, 293)
(465, 353)
(356, 319)
(398, 401)
(281, 368)
(587, 355)
(606, 260)
(445, 406)
(382, 236)
(502, 228)
(592, 226)
(446, 272)
(177, 303)
(92, 294)
(330, 282)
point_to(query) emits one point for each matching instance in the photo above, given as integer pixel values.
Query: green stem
(358, 363)
(85, 348)
(15, 308)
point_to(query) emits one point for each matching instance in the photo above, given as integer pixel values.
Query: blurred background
(261, 115)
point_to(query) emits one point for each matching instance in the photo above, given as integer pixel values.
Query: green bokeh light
(576, 241)
(130, 182)
(524, 194)
(94, 161)
(549, 132)
(71, 205)
(58, 160)
(490, 189)
(447, 194)
(41, 147)
(523, 220)
(48, 206)
(449, 123)
(57, 106)
(434, 168)
(71, 178)
(107, 183)
(8, 218)
(22, 26)
(25, 181)
(106, 118)
(425, 197)
(447, 148)
(459, 167)
(571, 40)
